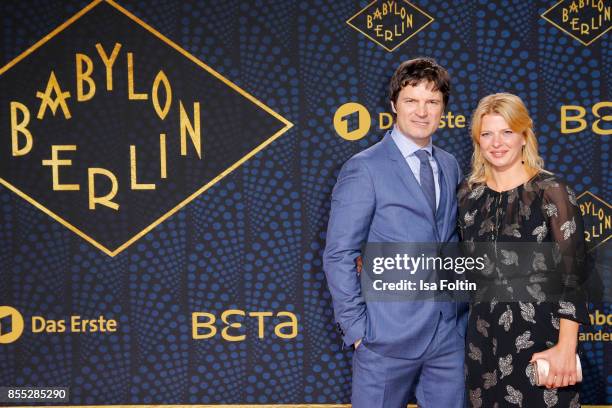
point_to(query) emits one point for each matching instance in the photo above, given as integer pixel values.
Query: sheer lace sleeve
(567, 231)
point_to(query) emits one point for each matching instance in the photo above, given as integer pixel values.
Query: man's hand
(357, 343)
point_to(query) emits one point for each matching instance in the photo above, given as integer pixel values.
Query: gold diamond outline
(543, 15)
(183, 203)
(404, 40)
(601, 200)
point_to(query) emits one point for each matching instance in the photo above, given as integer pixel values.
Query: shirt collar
(407, 146)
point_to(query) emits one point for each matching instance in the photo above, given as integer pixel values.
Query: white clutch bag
(542, 366)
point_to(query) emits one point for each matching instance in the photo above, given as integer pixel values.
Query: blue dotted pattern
(162, 329)
(254, 241)
(215, 283)
(37, 286)
(271, 278)
(7, 228)
(7, 238)
(268, 70)
(98, 288)
(571, 72)
(200, 22)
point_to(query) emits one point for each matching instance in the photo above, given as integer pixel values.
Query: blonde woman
(509, 198)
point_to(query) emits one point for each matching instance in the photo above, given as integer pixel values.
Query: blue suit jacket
(378, 199)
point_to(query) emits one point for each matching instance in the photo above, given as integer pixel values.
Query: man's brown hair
(415, 71)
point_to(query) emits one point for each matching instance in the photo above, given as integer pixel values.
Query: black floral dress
(503, 334)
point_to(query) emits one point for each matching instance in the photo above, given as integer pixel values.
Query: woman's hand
(562, 371)
(561, 357)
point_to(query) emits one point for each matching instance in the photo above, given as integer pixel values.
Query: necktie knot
(423, 155)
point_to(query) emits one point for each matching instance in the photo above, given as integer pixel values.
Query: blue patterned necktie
(427, 178)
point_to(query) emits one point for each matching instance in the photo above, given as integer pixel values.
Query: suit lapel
(450, 186)
(404, 173)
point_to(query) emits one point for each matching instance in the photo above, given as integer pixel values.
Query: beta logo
(574, 118)
(390, 23)
(11, 324)
(204, 324)
(111, 127)
(584, 20)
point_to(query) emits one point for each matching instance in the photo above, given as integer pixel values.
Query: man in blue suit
(402, 189)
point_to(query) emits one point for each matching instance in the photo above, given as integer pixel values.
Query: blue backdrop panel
(243, 227)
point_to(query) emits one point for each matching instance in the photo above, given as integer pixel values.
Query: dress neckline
(513, 188)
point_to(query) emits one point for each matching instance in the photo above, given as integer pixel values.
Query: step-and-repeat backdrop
(166, 171)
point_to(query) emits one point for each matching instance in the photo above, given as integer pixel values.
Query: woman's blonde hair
(515, 113)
